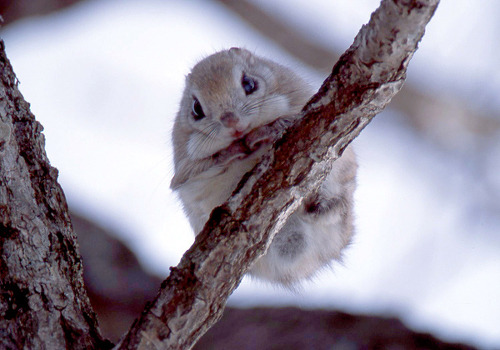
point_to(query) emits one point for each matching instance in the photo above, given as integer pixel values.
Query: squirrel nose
(229, 120)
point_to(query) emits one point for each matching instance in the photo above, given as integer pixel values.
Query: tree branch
(364, 80)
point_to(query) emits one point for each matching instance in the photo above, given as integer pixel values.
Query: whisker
(209, 136)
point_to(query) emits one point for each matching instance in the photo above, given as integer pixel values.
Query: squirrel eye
(197, 110)
(249, 85)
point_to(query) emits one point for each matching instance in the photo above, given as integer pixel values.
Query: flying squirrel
(235, 95)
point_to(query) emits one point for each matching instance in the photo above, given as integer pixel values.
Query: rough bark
(364, 80)
(42, 301)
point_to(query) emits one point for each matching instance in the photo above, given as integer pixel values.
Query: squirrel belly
(234, 95)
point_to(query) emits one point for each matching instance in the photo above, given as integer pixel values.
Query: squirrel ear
(247, 55)
(235, 51)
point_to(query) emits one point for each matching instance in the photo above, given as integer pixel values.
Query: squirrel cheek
(197, 147)
(192, 147)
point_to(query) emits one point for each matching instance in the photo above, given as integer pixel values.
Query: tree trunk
(42, 300)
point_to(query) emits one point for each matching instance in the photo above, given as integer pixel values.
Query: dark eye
(249, 85)
(197, 110)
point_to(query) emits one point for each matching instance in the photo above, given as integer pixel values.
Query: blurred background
(105, 78)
